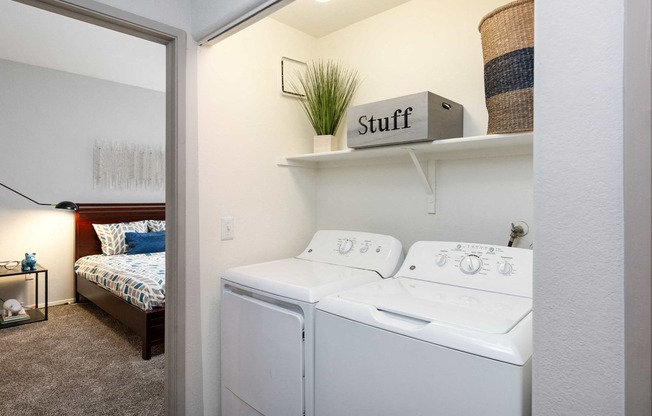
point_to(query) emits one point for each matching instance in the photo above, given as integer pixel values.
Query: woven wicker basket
(508, 50)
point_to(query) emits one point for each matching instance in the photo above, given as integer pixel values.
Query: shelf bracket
(420, 171)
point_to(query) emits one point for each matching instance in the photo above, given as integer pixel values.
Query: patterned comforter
(137, 278)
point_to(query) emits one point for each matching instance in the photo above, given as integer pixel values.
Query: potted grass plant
(328, 87)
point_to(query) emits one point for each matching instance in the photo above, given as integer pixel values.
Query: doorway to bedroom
(68, 101)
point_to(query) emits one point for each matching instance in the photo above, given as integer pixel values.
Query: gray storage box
(413, 118)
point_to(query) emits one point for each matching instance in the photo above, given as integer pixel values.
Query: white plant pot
(324, 143)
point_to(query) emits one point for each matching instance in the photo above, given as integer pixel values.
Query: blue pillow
(141, 243)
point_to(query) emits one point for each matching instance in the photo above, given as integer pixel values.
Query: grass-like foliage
(328, 87)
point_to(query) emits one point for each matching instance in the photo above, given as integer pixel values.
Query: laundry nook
(326, 207)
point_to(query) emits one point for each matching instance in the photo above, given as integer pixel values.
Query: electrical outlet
(228, 232)
(29, 276)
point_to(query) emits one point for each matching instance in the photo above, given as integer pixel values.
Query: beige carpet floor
(78, 362)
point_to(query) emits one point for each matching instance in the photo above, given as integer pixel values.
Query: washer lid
(299, 279)
(477, 310)
(488, 324)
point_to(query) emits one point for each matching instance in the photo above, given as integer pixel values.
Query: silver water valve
(519, 229)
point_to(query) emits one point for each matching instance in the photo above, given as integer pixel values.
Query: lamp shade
(71, 206)
(66, 205)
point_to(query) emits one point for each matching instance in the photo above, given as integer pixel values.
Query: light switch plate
(228, 232)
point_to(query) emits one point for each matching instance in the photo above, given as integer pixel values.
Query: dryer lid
(298, 279)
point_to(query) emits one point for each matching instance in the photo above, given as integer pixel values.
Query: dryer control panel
(369, 251)
(477, 266)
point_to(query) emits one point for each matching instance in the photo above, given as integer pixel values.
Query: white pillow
(156, 225)
(112, 236)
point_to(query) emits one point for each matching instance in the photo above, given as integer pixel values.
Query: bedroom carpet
(78, 362)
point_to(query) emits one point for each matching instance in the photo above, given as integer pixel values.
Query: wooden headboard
(86, 240)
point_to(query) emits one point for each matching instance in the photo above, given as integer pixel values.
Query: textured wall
(578, 293)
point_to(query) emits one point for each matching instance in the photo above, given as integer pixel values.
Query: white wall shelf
(459, 148)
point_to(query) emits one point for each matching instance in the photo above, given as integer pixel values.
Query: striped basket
(508, 50)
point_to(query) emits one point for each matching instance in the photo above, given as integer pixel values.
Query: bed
(148, 324)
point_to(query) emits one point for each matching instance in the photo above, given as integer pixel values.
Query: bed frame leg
(146, 351)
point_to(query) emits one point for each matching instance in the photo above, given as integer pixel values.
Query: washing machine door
(262, 354)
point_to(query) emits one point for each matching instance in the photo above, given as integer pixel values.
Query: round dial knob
(346, 246)
(504, 267)
(440, 259)
(471, 264)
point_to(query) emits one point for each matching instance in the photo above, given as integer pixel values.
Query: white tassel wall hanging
(128, 166)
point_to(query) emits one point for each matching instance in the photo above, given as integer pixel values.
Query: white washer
(267, 325)
(451, 335)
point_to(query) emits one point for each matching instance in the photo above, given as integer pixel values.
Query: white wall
(51, 120)
(245, 124)
(578, 195)
(422, 45)
(477, 200)
(425, 46)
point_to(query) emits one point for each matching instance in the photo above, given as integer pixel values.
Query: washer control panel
(492, 268)
(370, 251)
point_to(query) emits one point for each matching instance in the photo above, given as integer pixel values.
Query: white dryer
(450, 335)
(268, 312)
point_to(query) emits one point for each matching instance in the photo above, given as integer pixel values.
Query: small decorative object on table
(29, 263)
(13, 311)
(328, 88)
(508, 51)
(11, 307)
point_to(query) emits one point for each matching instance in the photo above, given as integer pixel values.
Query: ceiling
(45, 39)
(320, 19)
(36, 37)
